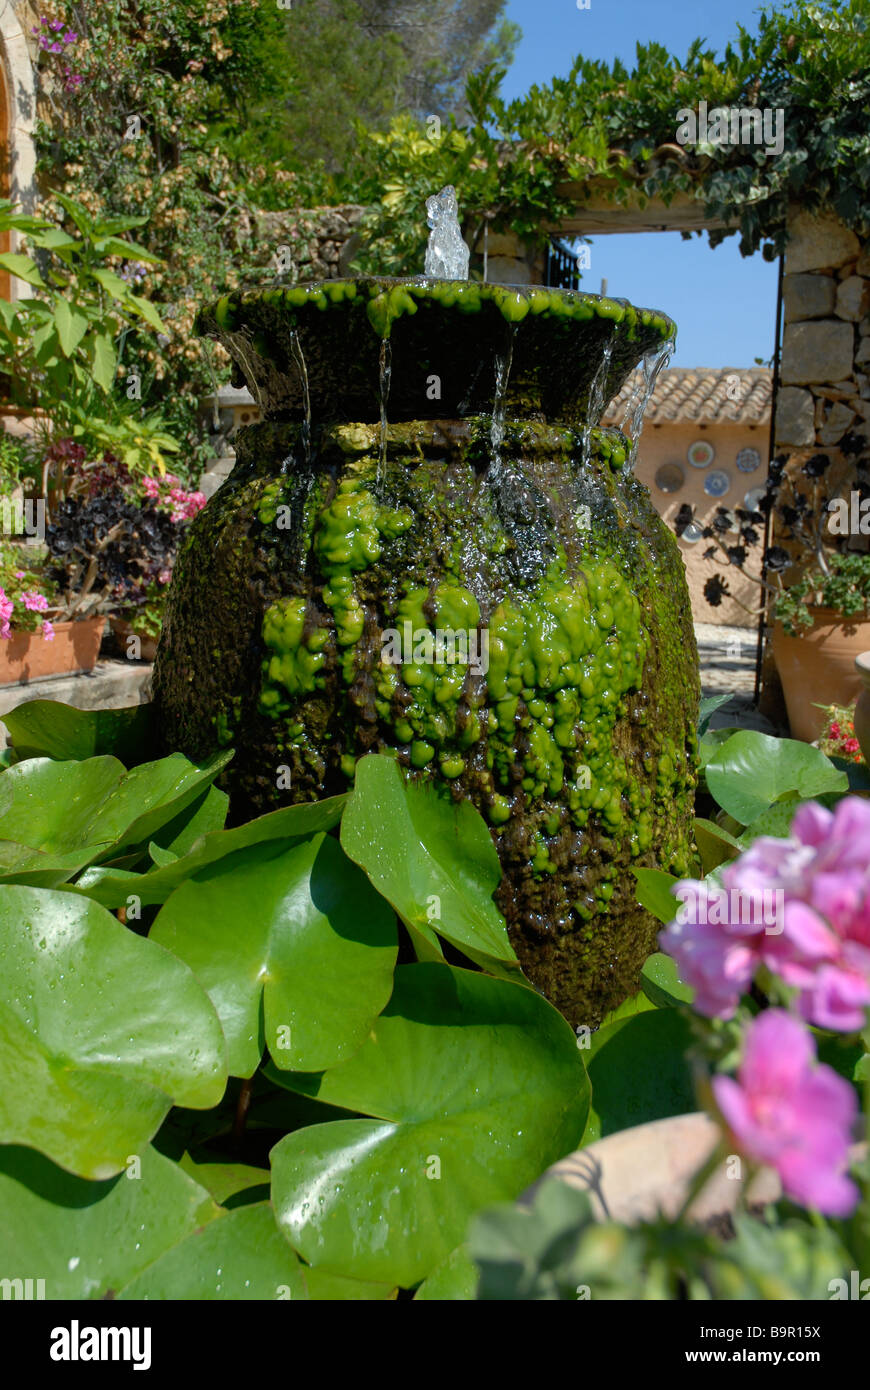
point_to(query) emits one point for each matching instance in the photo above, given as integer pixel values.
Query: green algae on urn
(445, 337)
(576, 743)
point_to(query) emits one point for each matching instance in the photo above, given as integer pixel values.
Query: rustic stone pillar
(508, 260)
(824, 395)
(825, 389)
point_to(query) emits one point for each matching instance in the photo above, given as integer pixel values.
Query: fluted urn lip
(447, 342)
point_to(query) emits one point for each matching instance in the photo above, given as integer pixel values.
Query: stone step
(111, 685)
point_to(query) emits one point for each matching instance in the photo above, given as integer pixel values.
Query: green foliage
(554, 1250)
(425, 1091)
(526, 163)
(61, 346)
(751, 771)
(435, 862)
(844, 586)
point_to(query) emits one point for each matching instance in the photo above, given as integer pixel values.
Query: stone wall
(825, 368)
(318, 243)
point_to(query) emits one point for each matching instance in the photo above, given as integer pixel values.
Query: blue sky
(723, 303)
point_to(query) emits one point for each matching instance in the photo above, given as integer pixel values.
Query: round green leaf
(298, 933)
(87, 1239)
(100, 1031)
(638, 1071)
(52, 729)
(750, 771)
(454, 1281)
(240, 1256)
(477, 1086)
(433, 859)
(74, 812)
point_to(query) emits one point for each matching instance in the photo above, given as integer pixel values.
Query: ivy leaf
(101, 1031)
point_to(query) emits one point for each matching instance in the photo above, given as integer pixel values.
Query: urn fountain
(430, 547)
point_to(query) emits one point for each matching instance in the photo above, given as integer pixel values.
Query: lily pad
(51, 729)
(100, 1032)
(477, 1086)
(89, 1239)
(750, 771)
(298, 934)
(111, 887)
(70, 814)
(433, 859)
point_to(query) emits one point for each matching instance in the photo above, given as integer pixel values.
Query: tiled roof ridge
(693, 394)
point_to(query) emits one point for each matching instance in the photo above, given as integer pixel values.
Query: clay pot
(121, 630)
(818, 668)
(26, 656)
(639, 1173)
(862, 709)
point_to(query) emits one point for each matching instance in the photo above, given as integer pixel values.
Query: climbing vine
(522, 165)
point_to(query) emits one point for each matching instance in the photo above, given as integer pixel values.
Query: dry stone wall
(824, 395)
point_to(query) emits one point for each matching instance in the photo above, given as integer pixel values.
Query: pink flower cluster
(788, 1112)
(35, 602)
(821, 947)
(168, 494)
(53, 35)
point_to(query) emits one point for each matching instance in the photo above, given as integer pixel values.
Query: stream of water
(503, 363)
(299, 359)
(386, 371)
(632, 419)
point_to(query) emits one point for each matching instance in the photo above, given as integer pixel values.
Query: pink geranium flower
(47, 631)
(820, 944)
(34, 602)
(786, 1111)
(6, 610)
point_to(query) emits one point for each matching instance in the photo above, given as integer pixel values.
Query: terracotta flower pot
(641, 1172)
(818, 668)
(637, 1174)
(862, 709)
(121, 630)
(26, 656)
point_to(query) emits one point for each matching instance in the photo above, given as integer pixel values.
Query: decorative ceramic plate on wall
(752, 498)
(670, 477)
(692, 533)
(748, 460)
(701, 454)
(717, 483)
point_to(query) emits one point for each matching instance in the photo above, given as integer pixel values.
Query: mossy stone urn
(429, 548)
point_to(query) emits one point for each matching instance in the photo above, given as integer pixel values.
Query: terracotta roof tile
(700, 393)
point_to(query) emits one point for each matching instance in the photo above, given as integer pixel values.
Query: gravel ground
(727, 657)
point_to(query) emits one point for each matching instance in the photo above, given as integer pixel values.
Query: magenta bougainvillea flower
(819, 942)
(790, 1112)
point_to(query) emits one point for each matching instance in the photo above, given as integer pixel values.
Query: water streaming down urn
(431, 454)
